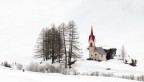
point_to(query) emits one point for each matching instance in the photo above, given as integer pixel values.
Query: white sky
(115, 22)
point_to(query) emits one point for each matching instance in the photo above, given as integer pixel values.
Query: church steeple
(92, 35)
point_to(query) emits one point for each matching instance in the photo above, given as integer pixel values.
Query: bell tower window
(90, 44)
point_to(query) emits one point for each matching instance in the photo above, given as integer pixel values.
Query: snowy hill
(7, 75)
(111, 66)
(114, 66)
(83, 67)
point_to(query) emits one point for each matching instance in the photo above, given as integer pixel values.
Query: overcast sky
(115, 23)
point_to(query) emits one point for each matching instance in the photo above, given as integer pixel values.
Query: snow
(18, 37)
(116, 67)
(82, 66)
(7, 75)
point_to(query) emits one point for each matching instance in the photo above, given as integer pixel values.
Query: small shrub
(126, 61)
(140, 78)
(132, 77)
(108, 68)
(107, 74)
(134, 62)
(93, 74)
(6, 64)
(23, 70)
(97, 73)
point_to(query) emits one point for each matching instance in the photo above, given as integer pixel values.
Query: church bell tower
(92, 46)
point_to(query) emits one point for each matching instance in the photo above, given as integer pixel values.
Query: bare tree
(49, 44)
(48, 38)
(40, 47)
(55, 42)
(73, 43)
(63, 32)
(123, 53)
(60, 44)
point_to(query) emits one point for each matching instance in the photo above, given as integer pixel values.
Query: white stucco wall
(91, 52)
(103, 57)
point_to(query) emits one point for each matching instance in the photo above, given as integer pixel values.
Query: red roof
(91, 35)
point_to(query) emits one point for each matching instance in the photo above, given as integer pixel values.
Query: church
(98, 53)
(95, 53)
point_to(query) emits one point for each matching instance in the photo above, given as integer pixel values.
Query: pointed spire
(91, 35)
(91, 30)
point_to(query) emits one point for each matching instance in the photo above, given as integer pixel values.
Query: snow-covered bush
(59, 69)
(131, 77)
(97, 73)
(19, 66)
(94, 74)
(140, 78)
(52, 69)
(56, 69)
(34, 67)
(75, 72)
(107, 74)
(48, 68)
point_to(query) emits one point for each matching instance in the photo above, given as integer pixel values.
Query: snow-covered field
(7, 75)
(82, 66)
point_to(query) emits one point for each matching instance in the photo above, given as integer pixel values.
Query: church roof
(101, 51)
(91, 35)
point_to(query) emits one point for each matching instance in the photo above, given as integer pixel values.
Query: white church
(95, 53)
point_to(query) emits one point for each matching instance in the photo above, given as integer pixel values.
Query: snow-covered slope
(7, 75)
(115, 66)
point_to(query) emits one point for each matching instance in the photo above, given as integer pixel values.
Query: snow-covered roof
(100, 50)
